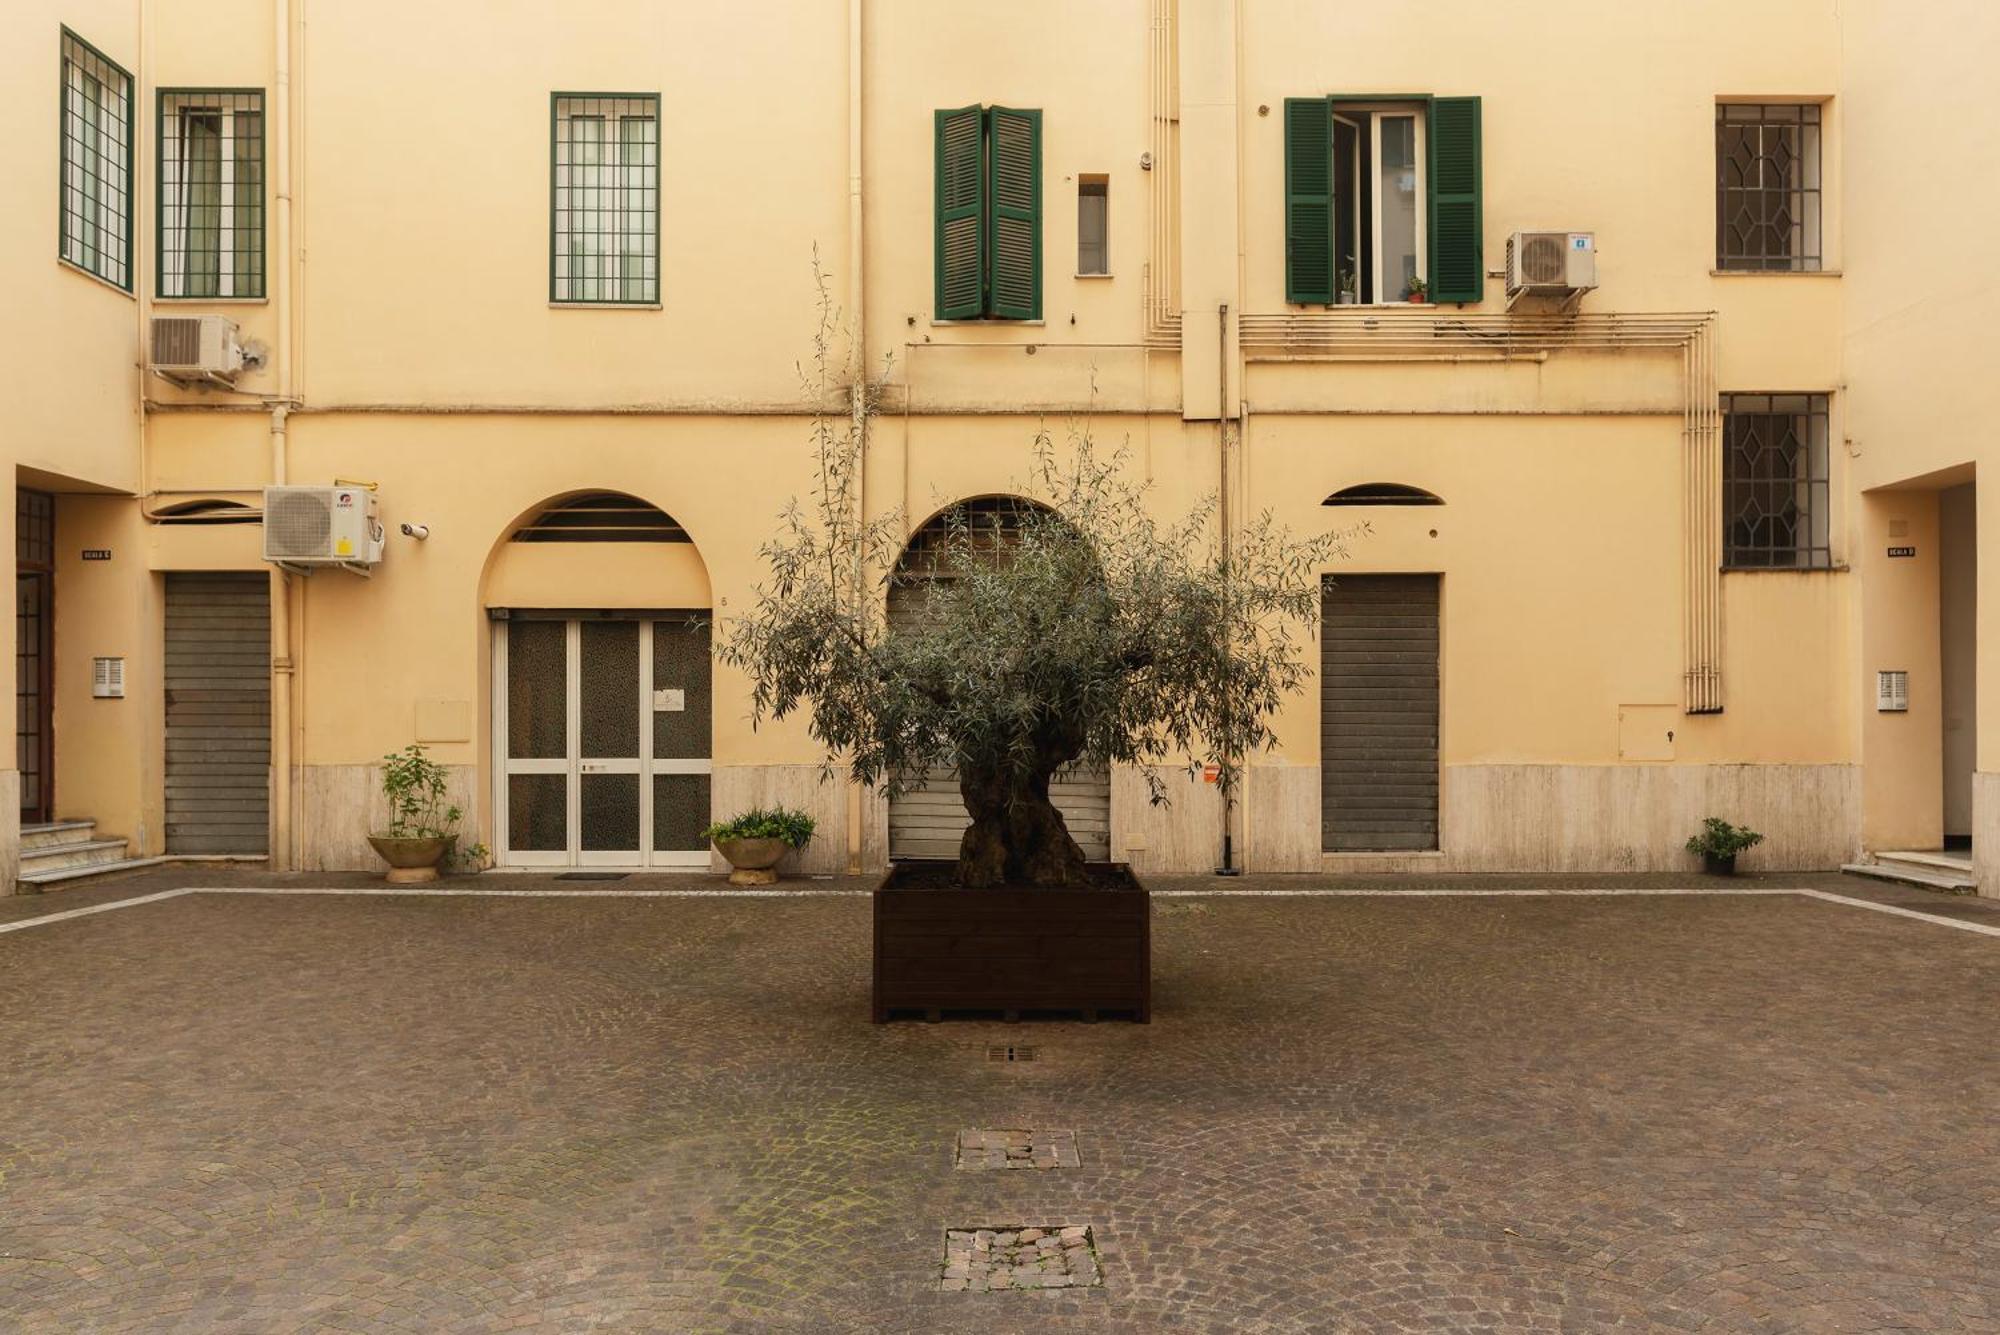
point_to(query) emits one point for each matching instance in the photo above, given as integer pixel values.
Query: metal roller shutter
(1379, 712)
(218, 712)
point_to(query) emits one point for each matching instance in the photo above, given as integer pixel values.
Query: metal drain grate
(593, 876)
(1010, 1052)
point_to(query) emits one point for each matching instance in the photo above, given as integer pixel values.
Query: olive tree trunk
(1017, 837)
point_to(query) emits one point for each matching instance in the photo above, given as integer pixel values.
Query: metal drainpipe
(281, 583)
(858, 388)
(1228, 867)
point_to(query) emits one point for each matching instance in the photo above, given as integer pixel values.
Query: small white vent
(107, 678)
(1892, 692)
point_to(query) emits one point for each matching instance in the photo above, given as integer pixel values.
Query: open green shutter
(1309, 200)
(961, 214)
(1458, 261)
(1015, 156)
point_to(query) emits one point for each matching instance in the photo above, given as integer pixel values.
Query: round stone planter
(755, 860)
(411, 861)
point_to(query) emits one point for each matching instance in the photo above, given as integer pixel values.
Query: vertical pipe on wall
(281, 590)
(857, 301)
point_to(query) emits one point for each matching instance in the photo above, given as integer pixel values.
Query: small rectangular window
(605, 232)
(1775, 482)
(211, 200)
(96, 230)
(1093, 225)
(1767, 194)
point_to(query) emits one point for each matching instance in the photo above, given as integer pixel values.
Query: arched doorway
(928, 821)
(602, 687)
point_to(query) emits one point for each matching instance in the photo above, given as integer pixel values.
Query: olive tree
(1077, 630)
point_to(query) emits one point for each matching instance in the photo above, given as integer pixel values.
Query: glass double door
(604, 729)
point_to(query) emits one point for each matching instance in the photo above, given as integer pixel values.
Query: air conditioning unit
(306, 528)
(196, 349)
(1561, 265)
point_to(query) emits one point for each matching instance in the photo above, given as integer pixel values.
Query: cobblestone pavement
(252, 1112)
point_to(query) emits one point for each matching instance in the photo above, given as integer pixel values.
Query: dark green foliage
(795, 828)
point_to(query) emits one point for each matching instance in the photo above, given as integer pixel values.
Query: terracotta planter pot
(755, 860)
(412, 861)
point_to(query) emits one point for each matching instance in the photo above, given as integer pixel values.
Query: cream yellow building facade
(505, 274)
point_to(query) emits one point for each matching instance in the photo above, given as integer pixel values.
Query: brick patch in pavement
(989, 1260)
(1016, 1149)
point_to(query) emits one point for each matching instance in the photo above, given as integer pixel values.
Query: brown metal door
(218, 712)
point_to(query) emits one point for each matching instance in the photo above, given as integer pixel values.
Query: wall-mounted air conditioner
(1556, 265)
(196, 349)
(307, 528)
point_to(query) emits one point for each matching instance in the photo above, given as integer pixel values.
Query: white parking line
(1329, 892)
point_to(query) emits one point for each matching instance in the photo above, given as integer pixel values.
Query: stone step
(1959, 864)
(42, 879)
(82, 853)
(1910, 874)
(56, 832)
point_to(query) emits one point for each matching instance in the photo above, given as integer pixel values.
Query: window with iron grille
(605, 210)
(96, 219)
(1774, 491)
(1767, 195)
(211, 198)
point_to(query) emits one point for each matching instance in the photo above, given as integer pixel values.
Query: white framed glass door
(602, 736)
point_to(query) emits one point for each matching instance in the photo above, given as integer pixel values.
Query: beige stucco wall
(427, 359)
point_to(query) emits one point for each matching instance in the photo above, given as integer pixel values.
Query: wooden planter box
(1009, 951)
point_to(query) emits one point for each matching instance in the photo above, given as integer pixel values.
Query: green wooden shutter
(1458, 261)
(1309, 200)
(1014, 152)
(961, 214)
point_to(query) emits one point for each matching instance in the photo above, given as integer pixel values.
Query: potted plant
(1719, 842)
(1074, 629)
(423, 826)
(1350, 284)
(754, 842)
(1417, 293)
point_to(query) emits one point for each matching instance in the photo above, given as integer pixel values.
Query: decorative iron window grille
(604, 206)
(1767, 192)
(96, 211)
(602, 516)
(211, 197)
(1775, 483)
(35, 529)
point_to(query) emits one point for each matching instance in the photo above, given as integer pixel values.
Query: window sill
(211, 301)
(96, 278)
(1093, 275)
(606, 306)
(1837, 568)
(1774, 273)
(988, 324)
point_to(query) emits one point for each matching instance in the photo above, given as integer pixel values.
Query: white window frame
(1366, 119)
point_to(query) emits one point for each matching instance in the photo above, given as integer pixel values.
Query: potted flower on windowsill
(754, 842)
(1417, 293)
(1350, 284)
(423, 826)
(1718, 844)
